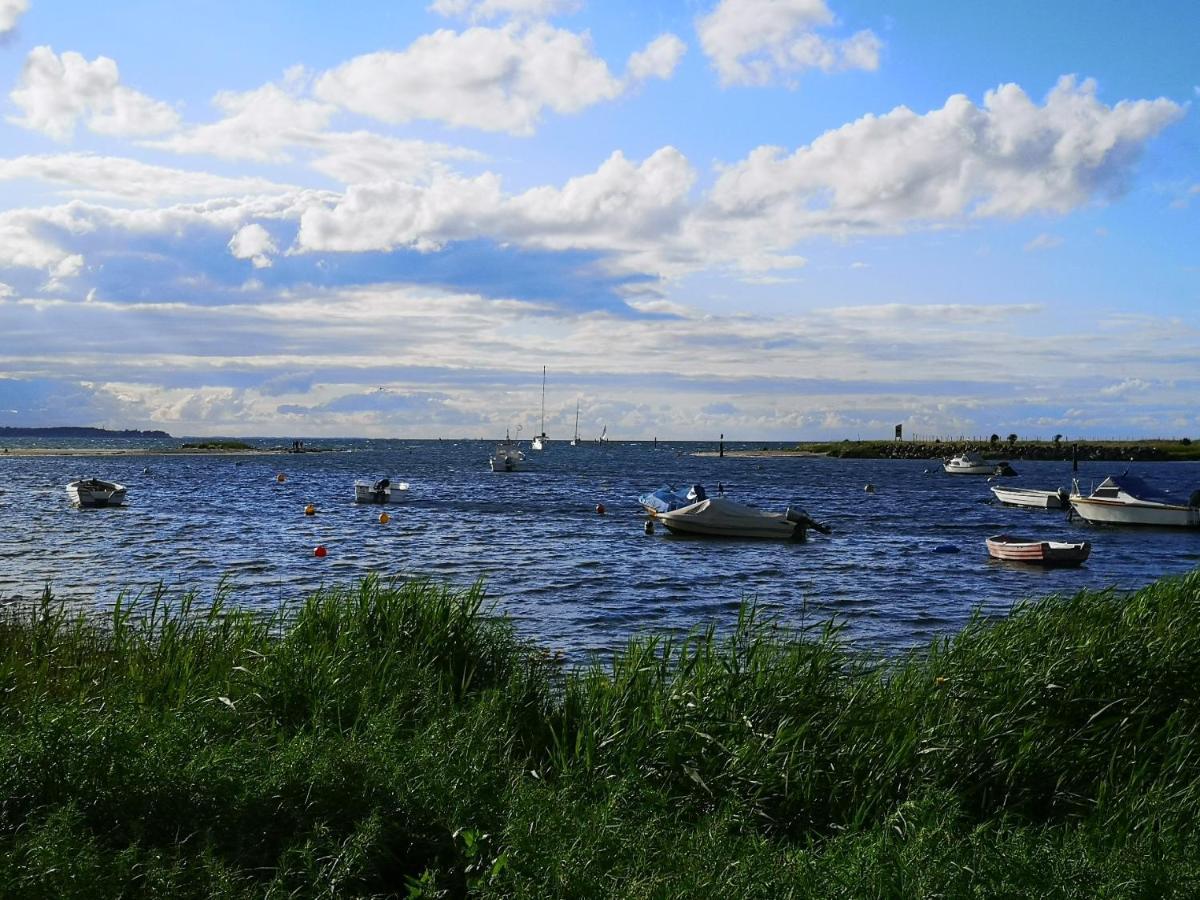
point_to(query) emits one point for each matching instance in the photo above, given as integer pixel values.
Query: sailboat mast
(543, 399)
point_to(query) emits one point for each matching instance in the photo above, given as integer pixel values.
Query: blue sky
(776, 219)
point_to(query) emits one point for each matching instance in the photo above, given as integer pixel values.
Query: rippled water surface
(574, 579)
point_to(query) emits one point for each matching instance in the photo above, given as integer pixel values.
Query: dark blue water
(574, 579)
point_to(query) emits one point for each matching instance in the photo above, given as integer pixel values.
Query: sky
(770, 219)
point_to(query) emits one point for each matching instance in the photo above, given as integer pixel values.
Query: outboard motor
(696, 493)
(803, 521)
(379, 489)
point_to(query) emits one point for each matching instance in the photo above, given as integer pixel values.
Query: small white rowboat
(1040, 553)
(1031, 498)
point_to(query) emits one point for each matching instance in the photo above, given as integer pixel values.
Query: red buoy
(600, 509)
(319, 550)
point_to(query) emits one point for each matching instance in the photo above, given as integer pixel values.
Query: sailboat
(575, 440)
(539, 442)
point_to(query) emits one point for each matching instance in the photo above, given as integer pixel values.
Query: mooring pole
(1074, 457)
(722, 450)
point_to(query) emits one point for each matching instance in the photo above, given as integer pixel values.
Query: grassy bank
(1148, 450)
(396, 741)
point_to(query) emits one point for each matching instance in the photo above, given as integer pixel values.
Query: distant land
(73, 431)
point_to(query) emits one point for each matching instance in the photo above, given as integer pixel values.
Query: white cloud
(258, 125)
(56, 92)
(756, 41)
(622, 206)
(658, 59)
(253, 242)
(1126, 387)
(10, 14)
(479, 10)
(107, 176)
(1008, 157)
(494, 79)
(1043, 242)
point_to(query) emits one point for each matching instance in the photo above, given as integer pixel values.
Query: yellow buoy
(310, 510)
(384, 518)
(281, 478)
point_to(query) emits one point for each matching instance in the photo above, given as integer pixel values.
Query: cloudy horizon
(776, 219)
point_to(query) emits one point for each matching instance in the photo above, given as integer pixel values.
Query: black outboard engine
(803, 521)
(379, 489)
(696, 493)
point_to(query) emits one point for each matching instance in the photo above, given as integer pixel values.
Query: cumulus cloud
(258, 125)
(478, 10)
(10, 14)
(657, 59)
(621, 206)
(494, 79)
(756, 41)
(1008, 157)
(253, 242)
(56, 92)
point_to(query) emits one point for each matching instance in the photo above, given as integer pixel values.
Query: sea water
(904, 564)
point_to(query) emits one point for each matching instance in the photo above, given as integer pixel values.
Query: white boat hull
(1030, 498)
(93, 493)
(717, 517)
(366, 492)
(1111, 512)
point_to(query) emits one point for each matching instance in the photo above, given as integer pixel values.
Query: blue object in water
(945, 548)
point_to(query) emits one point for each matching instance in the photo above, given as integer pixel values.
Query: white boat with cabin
(507, 457)
(92, 492)
(378, 491)
(971, 462)
(718, 517)
(1032, 498)
(1128, 500)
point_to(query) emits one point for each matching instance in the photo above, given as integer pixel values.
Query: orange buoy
(384, 518)
(310, 510)
(281, 478)
(319, 550)
(600, 509)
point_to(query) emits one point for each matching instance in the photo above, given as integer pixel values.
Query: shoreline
(148, 451)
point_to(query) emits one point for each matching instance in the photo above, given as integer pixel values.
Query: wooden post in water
(1074, 457)
(721, 452)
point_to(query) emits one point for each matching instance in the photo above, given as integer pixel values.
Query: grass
(396, 740)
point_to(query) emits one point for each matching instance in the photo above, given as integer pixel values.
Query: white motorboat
(1031, 498)
(94, 492)
(539, 442)
(718, 517)
(507, 457)
(970, 462)
(378, 491)
(1127, 500)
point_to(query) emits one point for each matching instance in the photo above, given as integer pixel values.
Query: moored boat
(1128, 500)
(1041, 553)
(971, 462)
(92, 492)
(507, 457)
(1031, 498)
(378, 491)
(719, 517)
